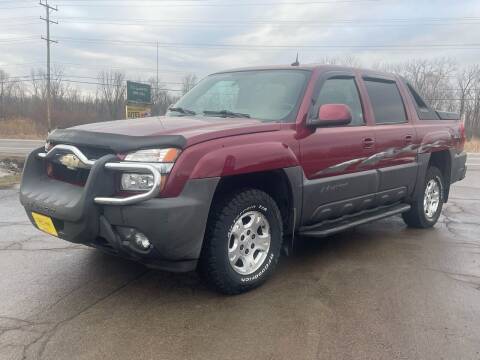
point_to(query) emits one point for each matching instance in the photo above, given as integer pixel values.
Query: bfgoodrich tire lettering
(216, 266)
(421, 214)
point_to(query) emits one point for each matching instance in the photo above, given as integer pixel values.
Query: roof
(309, 67)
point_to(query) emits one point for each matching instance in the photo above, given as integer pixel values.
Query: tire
(235, 257)
(418, 216)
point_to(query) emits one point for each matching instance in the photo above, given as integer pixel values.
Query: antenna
(296, 63)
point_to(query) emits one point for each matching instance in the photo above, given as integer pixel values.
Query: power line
(78, 82)
(282, 21)
(6, 40)
(123, 68)
(10, 18)
(22, 64)
(18, 7)
(65, 77)
(216, 4)
(270, 46)
(172, 23)
(25, 78)
(455, 19)
(103, 84)
(99, 67)
(197, 3)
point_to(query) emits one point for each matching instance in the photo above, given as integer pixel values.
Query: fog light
(136, 182)
(142, 241)
(136, 239)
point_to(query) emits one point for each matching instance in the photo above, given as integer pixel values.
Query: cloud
(342, 27)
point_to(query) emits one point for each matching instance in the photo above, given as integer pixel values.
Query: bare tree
(439, 81)
(4, 85)
(466, 79)
(347, 60)
(468, 82)
(11, 94)
(431, 78)
(112, 89)
(39, 83)
(161, 98)
(188, 82)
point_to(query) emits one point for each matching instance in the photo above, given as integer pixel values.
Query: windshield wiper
(182, 110)
(226, 113)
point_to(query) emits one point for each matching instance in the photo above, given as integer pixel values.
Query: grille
(60, 172)
(77, 176)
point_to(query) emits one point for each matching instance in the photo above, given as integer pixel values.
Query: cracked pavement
(379, 291)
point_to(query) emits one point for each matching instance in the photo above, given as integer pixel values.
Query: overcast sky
(203, 36)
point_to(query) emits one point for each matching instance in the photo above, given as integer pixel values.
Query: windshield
(268, 95)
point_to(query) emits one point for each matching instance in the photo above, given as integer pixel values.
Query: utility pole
(48, 41)
(157, 92)
(157, 70)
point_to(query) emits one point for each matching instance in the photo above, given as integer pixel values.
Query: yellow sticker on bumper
(44, 223)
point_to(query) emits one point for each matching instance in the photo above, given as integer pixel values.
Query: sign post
(139, 100)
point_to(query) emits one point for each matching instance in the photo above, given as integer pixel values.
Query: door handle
(368, 143)
(408, 139)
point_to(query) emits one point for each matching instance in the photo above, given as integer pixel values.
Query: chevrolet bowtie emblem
(71, 161)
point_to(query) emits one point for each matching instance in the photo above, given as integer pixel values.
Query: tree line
(25, 98)
(441, 82)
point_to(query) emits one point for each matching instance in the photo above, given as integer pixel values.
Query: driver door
(337, 181)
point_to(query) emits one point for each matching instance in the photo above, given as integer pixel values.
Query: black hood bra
(115, 142)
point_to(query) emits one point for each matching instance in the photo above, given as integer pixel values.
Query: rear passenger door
(395, 154)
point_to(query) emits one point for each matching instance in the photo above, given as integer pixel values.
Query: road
(18, 147)
(380, 291)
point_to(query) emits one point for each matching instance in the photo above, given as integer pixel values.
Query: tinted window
(342, 91)
(423, 110)
(386, 101)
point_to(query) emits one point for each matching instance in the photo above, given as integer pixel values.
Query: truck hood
(132, 134)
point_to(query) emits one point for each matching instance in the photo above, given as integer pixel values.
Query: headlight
(162, 159)
(154, 155)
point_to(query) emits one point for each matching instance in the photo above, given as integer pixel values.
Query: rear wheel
(242, 242)
(428, 205)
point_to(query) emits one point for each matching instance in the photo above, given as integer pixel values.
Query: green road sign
(139, 93)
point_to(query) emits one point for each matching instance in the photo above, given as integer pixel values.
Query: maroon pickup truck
(243, 163)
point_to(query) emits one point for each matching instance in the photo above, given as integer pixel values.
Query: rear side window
(386, 101)
(342, 91)
(423, 110)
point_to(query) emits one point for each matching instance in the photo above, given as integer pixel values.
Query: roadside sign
(138, 111)
(138, 92)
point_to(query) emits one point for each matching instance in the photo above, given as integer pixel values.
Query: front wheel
(428, 205)
(242, 242)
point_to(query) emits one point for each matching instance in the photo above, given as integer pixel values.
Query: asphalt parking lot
(380, 291)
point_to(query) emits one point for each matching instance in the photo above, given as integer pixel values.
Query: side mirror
(332, 115)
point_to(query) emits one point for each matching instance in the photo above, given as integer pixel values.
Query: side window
(387, 103)
(342, 91)
(423, 110)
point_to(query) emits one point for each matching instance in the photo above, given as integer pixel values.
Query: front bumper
(174, 226)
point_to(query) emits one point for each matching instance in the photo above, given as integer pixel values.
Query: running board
(332, 227)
